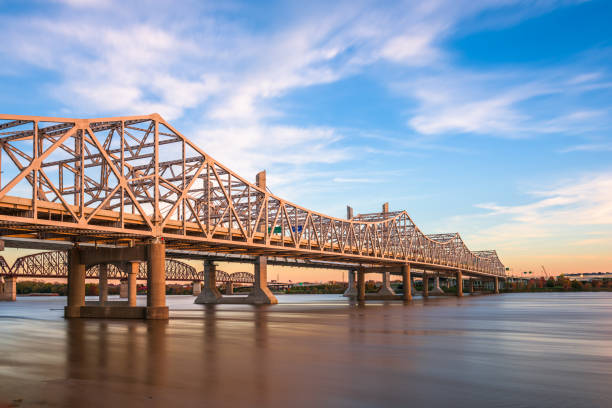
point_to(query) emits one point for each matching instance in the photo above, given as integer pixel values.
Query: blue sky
(491, 118)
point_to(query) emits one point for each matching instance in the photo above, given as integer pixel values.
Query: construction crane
(544, 270)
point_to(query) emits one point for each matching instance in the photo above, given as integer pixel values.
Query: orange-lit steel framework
(126, 180)
(54, 264)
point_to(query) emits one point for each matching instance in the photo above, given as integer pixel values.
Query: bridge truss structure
(54, 264)
(128, 180)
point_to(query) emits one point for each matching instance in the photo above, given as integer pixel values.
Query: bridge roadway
(132, 189)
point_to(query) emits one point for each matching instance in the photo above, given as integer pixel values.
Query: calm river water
(517, 350)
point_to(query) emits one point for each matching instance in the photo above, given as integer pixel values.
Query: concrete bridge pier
(103, 283)
(361, 285)
(123, 289)
(8, 288)
(197, 287)
(437, 290)
(425, 284)
(351, 290)
(261, 294)
(471, 283)
(459, 283)
(156, 281)
(132, 290)
(229, 288)
(385, 289)
(413, 287)
(406, 281)
(496, 285)
(76, 284)
(209, 294)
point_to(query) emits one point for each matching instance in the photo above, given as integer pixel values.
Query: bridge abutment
(8, 289)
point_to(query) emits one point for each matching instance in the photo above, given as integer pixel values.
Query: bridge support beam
(156, 281)
(351, 290)
(210, 293)
(197, 287)
(385, 289)
(437, 290)
(425, 284)
(459, 283)
(406, 282)
(229, 288)
(361, 285)
(131, 283)
(103, 283)
(496, 284)
(8, 289)
(261, 294)
(76, 284)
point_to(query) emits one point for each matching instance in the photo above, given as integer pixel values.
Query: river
(510, 350)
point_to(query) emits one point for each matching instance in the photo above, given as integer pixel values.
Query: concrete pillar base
(157, 313)
(351, 290)
(197, 288)
(71, 312)
(437, 290)
(208, 296)
(261, 296)
(8, 289)
(229, 288)
(385, 289)
(123, 289)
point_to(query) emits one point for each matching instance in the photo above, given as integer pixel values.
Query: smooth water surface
(513, 350)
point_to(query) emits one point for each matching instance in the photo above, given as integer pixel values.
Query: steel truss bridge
(127, 180)
(54, 264)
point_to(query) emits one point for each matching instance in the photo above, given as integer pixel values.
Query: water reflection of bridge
(130, 190)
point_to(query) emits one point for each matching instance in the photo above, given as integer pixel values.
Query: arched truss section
(5, 269)
(55, 264)
(111, 180)
(222, 276)
(242, 277)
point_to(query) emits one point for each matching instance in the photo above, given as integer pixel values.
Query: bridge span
(132, 189)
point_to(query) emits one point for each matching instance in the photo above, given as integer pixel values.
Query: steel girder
(125, 179)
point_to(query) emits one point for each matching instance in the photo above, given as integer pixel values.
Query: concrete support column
(471, 281)
(412, 286)
(351, 290)
(496, 284)
(76, 284)
(210, 293)
(425, 285)
(131, 283)
(197, 287)
(103, 283)
(406, 282)
(261, 294)
(229, 288)
(8, 289)
(123, 289)
(156, 281)
(437, 290)
(361, 285)
(385, 289)
(459, 283)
